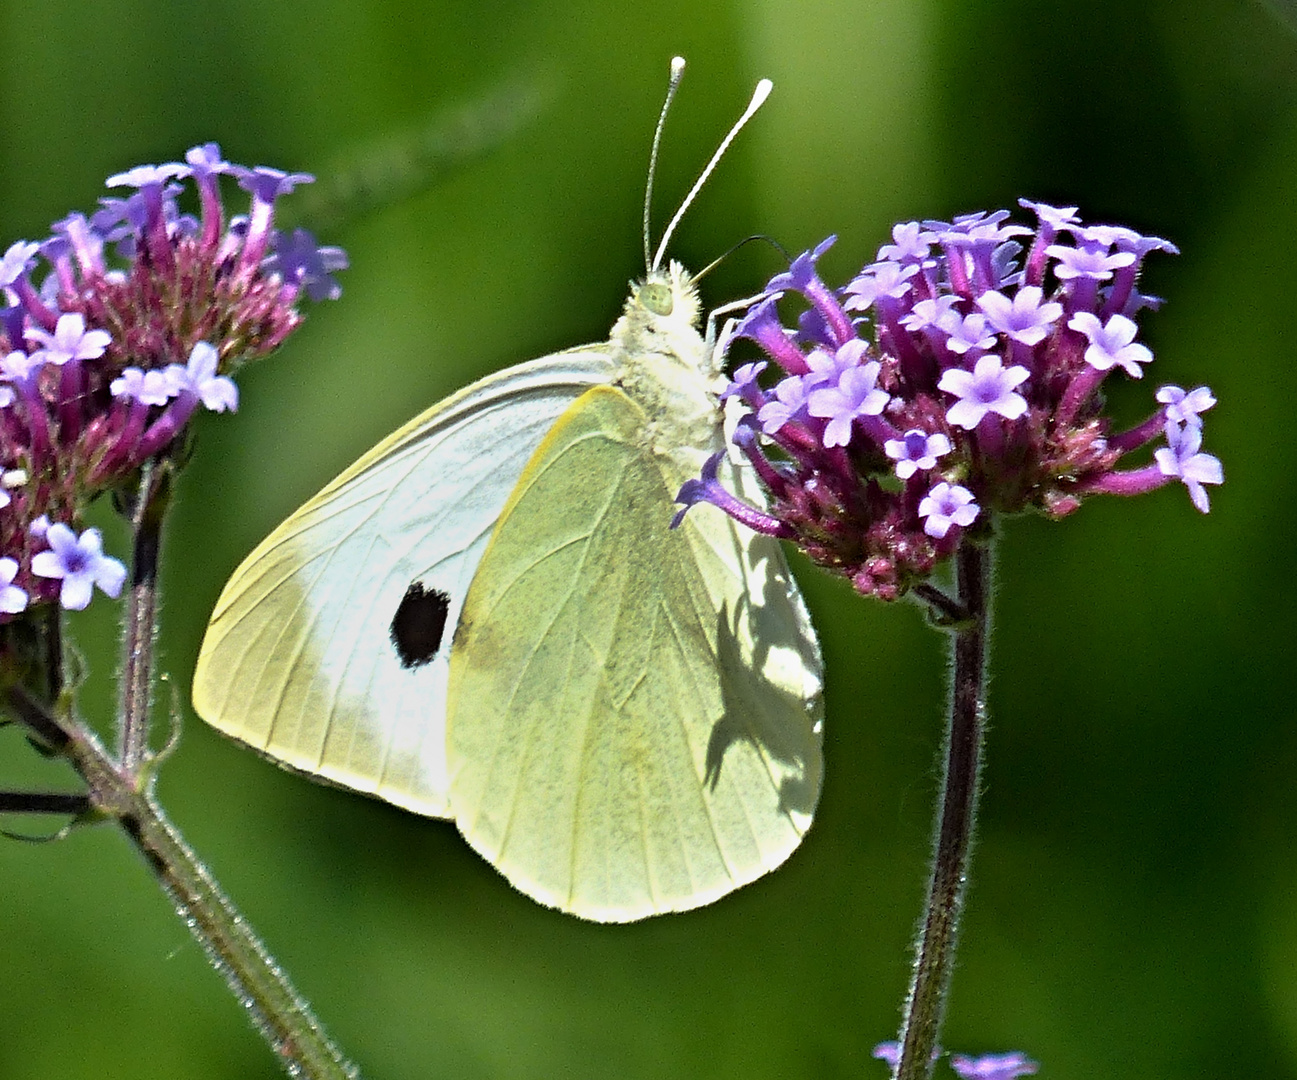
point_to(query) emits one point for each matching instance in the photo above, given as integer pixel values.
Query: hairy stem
(935, 949)
(277, 1011)
(122, 790)
(140, 628)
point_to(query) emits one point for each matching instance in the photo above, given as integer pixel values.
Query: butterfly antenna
(760, 237)
(758, 99)
(677, 73)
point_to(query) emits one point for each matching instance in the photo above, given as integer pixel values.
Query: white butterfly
(627, 721)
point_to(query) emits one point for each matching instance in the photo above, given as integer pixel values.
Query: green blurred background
(1133, 911)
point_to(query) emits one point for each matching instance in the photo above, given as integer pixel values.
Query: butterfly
(488, 618)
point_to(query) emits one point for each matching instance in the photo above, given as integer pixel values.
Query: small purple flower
(854, 395)
(789, 404)
(967, 333)
(1186, 407)
(16, 261)
(908, 244)
(205, 159)
(299, 259)
(75, 236)
(12, 598)
(744, 384)
(146, 387)
(761, 324)
(976, 223)
(916, 450)
(989, 387)
(946, 505)
(889, 1052)
(1025, 318)
(884, 279)
(142, 176)
(993, 1066)
(21, 369)
(1087, 262)
(1112, 345)
(1055, 217)
(71, 340)
(828, 367)
(801, 273)
(990, 232)
(708, 488)
(117, 221)
(1181, 459)
(936, 312)
(1126, 239)
(266, 184)
(199, 378)
(81, 563)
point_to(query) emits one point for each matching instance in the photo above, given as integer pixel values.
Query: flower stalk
(102, 367)
(139, 628)
(956, 818)
(275, 1008)
(955, 381)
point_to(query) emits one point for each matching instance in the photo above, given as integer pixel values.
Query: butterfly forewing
(623, 739)
(328, 648)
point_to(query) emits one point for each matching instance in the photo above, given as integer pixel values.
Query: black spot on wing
(419, 624)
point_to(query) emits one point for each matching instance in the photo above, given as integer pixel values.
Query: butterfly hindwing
(633, 719)
(328, 647)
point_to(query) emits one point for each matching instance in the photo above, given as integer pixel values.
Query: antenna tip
(677, 66)
(762, 92)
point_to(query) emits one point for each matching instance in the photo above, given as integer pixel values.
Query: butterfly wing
(328, 647)
(633, 712)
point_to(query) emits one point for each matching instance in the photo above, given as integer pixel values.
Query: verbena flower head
(957, 377)
(114, 330)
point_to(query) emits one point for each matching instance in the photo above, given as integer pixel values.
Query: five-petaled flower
(947, 505)
(989, 387)
(80, 562)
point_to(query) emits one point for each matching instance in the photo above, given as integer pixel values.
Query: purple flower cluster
(957, 377)
(141, 313)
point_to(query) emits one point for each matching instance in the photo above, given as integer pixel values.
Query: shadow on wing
(780, 722)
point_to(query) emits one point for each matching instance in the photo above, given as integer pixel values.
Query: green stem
(935, 949)
(123, 791)
(277, 1011)
(140, 626)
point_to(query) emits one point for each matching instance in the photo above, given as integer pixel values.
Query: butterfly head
(668, 295)
(661, 316)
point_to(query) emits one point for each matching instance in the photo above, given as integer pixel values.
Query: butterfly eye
(656, 297)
